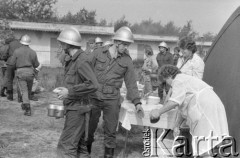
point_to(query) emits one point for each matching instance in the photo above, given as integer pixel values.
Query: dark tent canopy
(222, 71)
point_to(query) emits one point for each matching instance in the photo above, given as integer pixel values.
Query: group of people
(93, 79)
(20, 61)
(92, 83)
(200, 110)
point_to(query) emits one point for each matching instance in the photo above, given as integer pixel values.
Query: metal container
(59, 111)
(51, 110)
(152, 100)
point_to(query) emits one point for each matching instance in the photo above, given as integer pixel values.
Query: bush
(51, 78)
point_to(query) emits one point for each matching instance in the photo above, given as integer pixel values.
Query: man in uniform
(90, 46)
(164, 57)
(25, 60)
(98, 42)
(112, 65)
(10, 73)
(3, 58)
(79, 82)
(176, 55)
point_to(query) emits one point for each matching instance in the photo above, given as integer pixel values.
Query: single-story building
(44, 39)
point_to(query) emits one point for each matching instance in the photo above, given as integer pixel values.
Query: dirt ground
(37, 136)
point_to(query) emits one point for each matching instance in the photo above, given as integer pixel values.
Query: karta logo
(153, 141)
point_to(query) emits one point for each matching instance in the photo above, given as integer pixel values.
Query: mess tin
(55, 110)
(59, 111)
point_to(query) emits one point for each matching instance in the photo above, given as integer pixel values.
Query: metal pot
(51, 110)
(152, 100)
(59, 111)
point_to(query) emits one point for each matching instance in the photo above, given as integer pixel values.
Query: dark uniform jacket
(111, 73)
(24, 57)
(163, 59)
(3, 55)
(79, 79)
(12, 47)
(90, 52)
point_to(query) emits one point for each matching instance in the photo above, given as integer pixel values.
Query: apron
(201, 124)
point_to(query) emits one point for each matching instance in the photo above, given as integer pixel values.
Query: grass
(37, 136)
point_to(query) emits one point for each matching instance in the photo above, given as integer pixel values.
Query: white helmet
(163, 44)
(98, 40)
(124, 34)
(25, 40)
(108, 43)
(70, 36)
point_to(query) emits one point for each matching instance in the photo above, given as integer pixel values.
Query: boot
(23, 106)
(3, 92)
(20, 99)
(10, 95)
(109, 152)
(89, 148)
(27, 110)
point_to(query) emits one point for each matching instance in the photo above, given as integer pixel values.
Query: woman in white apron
(198, 104)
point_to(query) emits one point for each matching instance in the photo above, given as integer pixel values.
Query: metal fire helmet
(124, 34)
(108, 43)
(98, 40)
(25, 40)
(70, 36)
(163, 44)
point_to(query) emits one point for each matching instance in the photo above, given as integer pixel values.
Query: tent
(222, 71)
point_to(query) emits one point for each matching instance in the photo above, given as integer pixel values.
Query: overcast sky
(207, 15)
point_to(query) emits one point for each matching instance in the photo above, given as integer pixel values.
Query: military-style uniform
(80, 80)
(3, 59)
(110, 73)
(90, 52)
(10, 73)
(24, 60)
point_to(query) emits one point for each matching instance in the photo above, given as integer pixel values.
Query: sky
(206, 15)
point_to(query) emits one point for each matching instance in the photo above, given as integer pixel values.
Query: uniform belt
(107, 89)
(24, 67)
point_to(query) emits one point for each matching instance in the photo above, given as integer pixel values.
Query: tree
(121, 22)
(209, 36)
(5, 30)
(187, 30)
(102, 22)
(82, 17)
(170, 29)
(27, 10)
(149, 27)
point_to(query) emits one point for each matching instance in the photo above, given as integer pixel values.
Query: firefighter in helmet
(25, 60)
(79, 81)
(163, 58)
(112, 65)
(98, 42)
